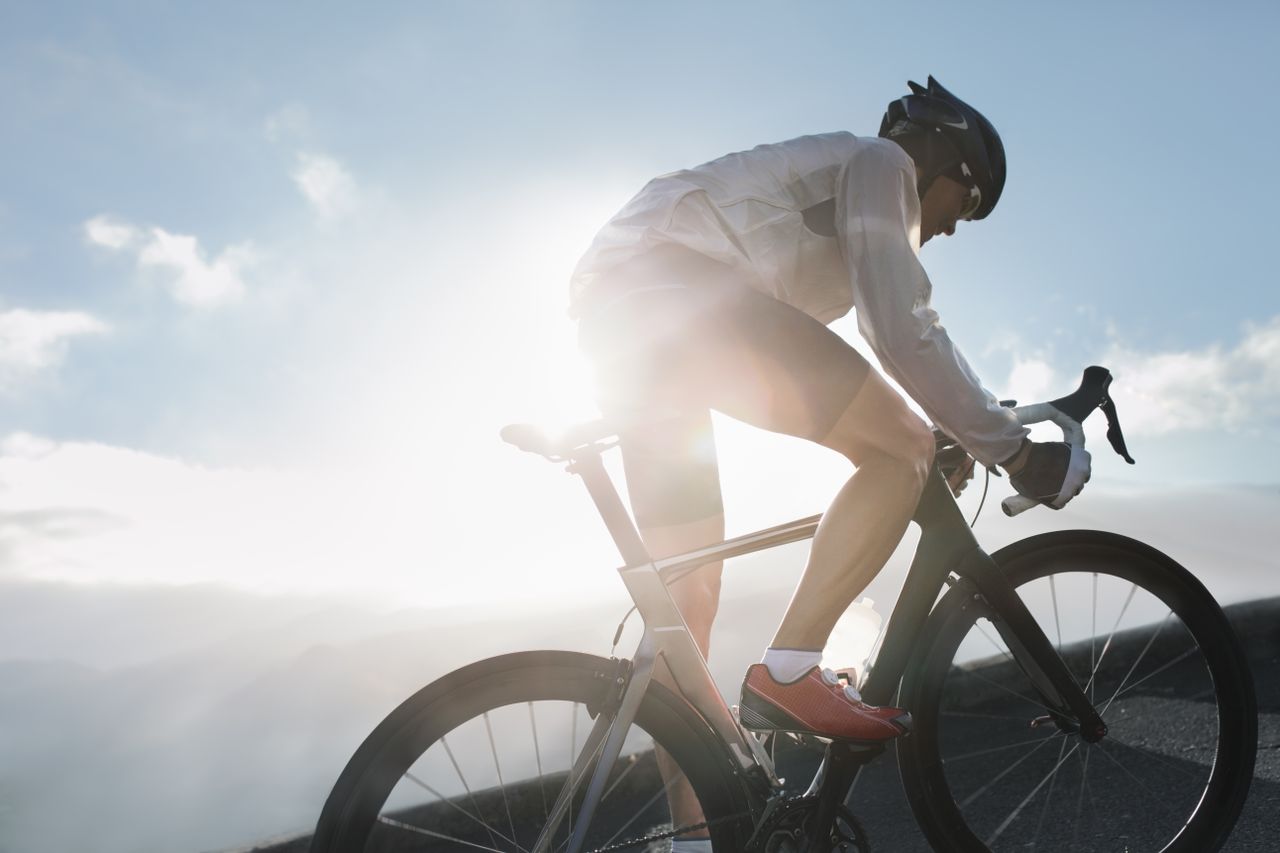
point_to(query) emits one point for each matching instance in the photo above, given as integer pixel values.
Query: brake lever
(1114, 435)
(1093, 394)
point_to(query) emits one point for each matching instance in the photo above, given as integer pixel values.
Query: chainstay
(659, 836)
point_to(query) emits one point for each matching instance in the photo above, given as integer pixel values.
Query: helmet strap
(931, 151)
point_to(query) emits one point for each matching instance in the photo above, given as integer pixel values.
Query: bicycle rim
(989, 771)
(477, 760)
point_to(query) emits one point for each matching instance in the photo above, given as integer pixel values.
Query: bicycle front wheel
(477, 759)
(986, 770)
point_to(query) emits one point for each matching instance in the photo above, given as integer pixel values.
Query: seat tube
(623, 530)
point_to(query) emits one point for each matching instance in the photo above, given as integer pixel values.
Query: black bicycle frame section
(948, 554)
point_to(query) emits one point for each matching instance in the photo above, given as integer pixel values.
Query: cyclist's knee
(918, 449)
(879, 425)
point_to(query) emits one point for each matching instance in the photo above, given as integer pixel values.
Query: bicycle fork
(1032, 650)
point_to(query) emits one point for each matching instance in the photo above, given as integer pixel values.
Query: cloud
(34, 341)
(1211, 388)
(325, 184)
(85, 511)
(178, 262)
(193, 281)
(102, 231)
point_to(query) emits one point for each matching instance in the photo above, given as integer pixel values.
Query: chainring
(786, 829)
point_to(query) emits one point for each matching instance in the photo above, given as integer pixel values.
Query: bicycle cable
(617, 635)
(986, 484)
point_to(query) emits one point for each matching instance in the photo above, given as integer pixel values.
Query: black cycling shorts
(670, 349)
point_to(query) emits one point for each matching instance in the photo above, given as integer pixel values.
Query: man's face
(941, 207)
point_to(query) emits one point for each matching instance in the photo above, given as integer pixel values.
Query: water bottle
(853, 638)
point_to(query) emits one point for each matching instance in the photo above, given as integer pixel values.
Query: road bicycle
(1074, 691)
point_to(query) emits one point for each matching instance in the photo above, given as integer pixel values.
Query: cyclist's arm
(879, 211)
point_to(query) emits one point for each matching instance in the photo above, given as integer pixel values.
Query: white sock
(691, 845)
(787, 665)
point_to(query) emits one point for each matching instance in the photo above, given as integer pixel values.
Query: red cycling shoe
(817, 703)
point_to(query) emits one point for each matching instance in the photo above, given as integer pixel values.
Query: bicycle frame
(947, 554)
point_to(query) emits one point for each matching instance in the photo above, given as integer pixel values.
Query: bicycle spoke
(1028, 798)
(537, 754)
(1154, 796)
(1150, 641)
(417, 830)
(1003, 773)
(1156, 758)
(1133, 588)
(976, 716)
(470, 797)
(502, 785)
(573, 751)
(1048, 797)
(1008, 690)
(990, 750)
(633, 761)
(1093, 639)
(994, 644)
(644, 808)
(451, 804)
(1084, 787)
(1179, 659)
(583, 764)
(1053, 592)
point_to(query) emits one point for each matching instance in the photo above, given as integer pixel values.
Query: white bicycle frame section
(666, 636)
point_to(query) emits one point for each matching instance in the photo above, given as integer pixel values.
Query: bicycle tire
(353, 819)
(951, 774)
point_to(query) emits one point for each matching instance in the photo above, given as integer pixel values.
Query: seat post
(625, 535)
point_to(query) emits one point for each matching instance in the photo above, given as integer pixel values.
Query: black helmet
(978, 151)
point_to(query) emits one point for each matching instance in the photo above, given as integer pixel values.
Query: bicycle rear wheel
(1157, 657)
(475, 761)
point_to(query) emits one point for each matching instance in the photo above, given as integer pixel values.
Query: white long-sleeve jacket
(824, 223)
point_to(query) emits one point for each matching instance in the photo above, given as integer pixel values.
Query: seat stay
(672, 640)
(613, 731)
(604, 725)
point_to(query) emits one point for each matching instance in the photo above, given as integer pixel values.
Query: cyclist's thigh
(764, 362)
(722, 345)
(673, 479)
(878, 420)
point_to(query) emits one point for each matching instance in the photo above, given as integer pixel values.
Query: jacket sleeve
(879, 212)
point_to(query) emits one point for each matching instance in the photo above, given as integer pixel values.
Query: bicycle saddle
(556, 444)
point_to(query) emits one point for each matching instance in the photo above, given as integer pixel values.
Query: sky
(273, 276)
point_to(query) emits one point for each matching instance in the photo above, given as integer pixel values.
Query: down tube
(945, 539)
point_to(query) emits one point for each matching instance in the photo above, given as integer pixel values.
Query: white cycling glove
(1050, 472)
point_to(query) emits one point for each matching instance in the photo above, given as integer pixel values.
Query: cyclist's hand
(1048, 471)
(957, 467)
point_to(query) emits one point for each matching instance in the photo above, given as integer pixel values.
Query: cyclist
(712, 288)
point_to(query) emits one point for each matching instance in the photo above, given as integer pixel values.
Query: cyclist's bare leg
(893, 451)
(698, 596)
